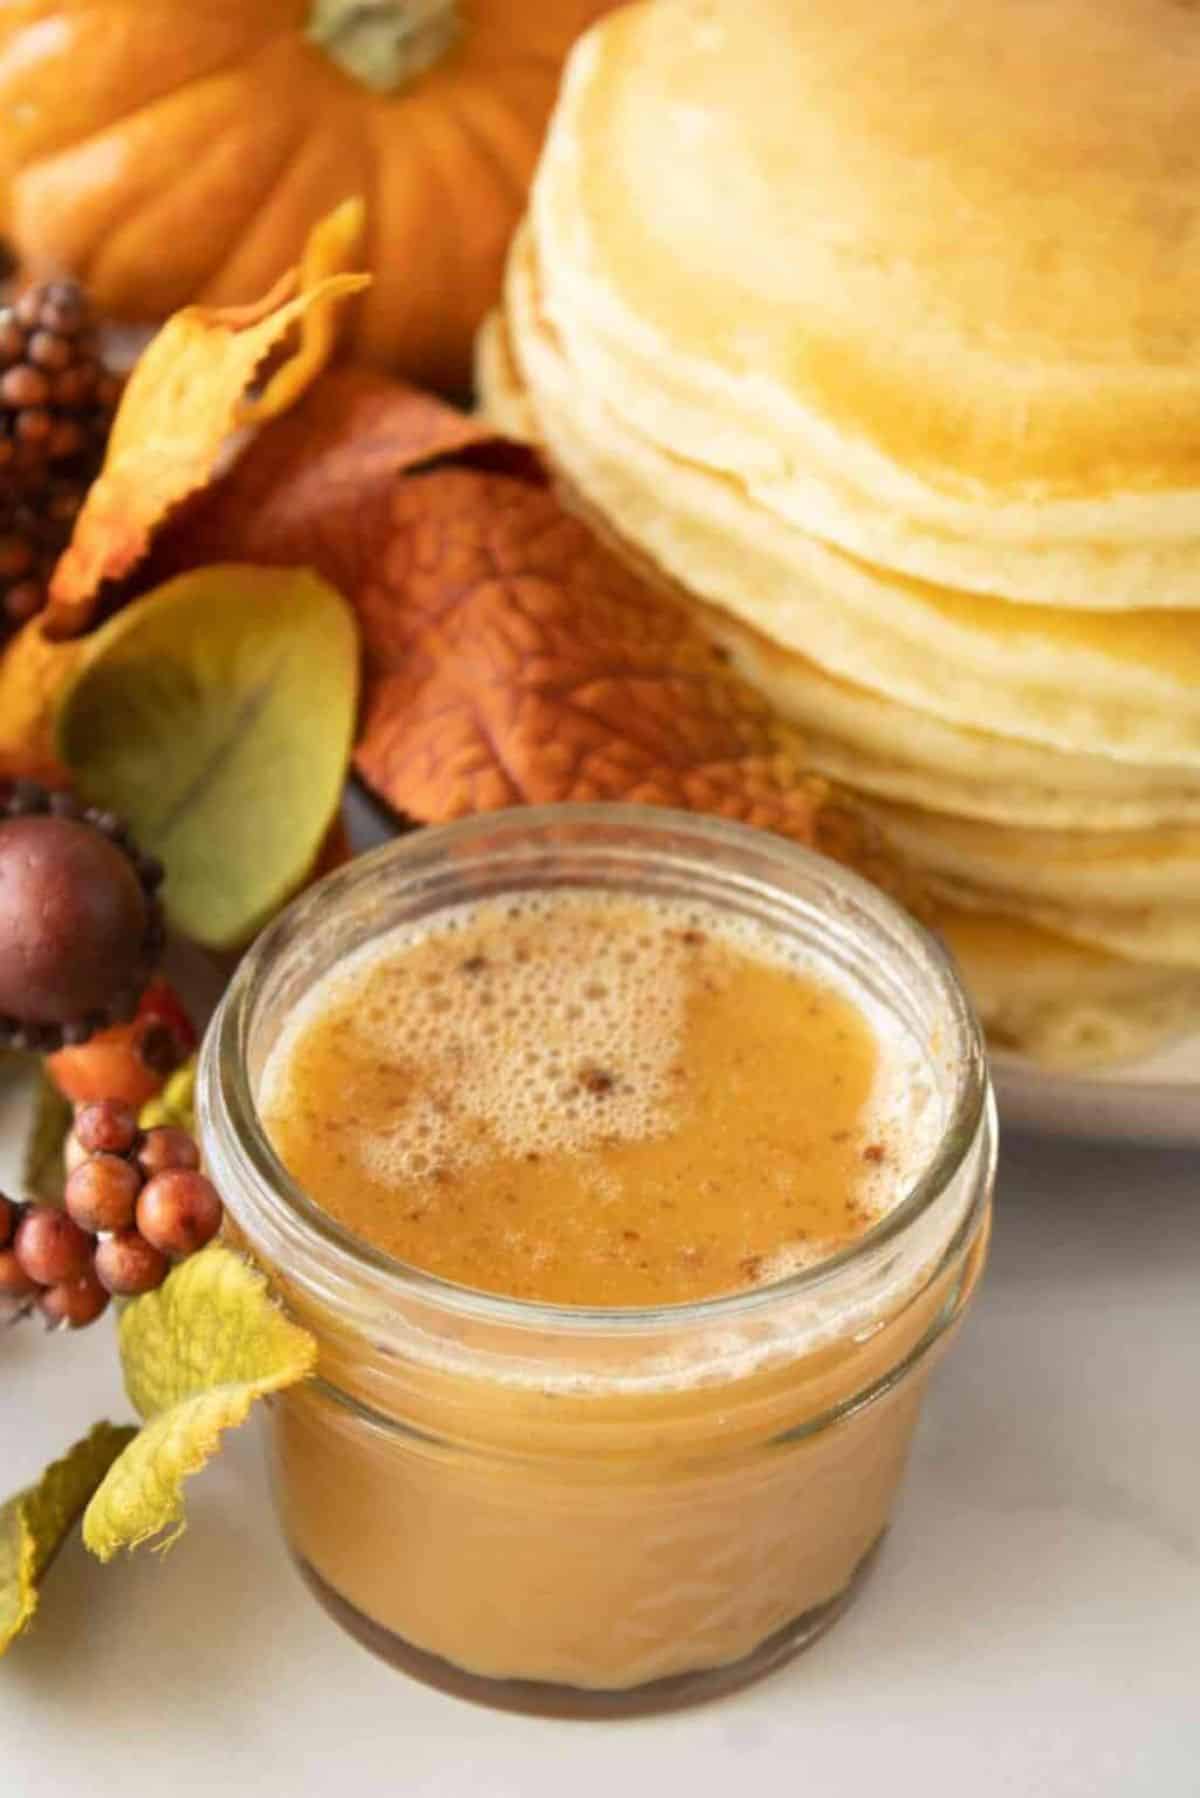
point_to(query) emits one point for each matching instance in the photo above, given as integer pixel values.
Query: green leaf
(44, 1171)
(196, 1354)
(35, 1120)
(34, 1524)
(217, 714)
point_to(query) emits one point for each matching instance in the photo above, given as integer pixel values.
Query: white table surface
(1033, 1627)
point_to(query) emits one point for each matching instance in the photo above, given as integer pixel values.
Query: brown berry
(50, 1245)
(74, 386)
(24, 386)
(34, 424)
(166, 1147)
(126, 1264)
(73, 915)
(102, 1193)
(107, 1127)
(16, 557)
(179, 1211)
(74, 1303)
(10, 1215)
(65, 438)
(14, 1281)
(48, 351)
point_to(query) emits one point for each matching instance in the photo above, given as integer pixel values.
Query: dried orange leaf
(315, 485)
(508, 656)
(180, 406)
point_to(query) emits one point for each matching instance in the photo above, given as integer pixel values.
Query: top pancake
(924, 276)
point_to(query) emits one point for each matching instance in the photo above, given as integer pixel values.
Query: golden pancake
(1063, 1004)
(1121, 868)
(1124, 684)
(922, 278)
(863, 739)
(1163, 936)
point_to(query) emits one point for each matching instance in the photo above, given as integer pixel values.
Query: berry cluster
(57, 401)
(135, 1201)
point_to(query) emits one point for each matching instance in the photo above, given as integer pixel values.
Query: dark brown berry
(24, 386)
(9, 1218)
(102, 1193)
(74, 1303)
(34, 425)
(126, 1264)
(106, 1128)
(179, 1211)
(166, 1147)
(14, 1281)
(50, 1246)
(47, 350)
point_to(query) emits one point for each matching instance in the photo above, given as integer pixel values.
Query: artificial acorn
(81, 925)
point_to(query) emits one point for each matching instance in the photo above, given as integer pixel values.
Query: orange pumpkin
(170, 150)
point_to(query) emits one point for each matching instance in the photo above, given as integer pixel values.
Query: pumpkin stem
(385, 44)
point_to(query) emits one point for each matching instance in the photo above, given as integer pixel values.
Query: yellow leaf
(34, 1524)
(176, 1103)
(196, 1355)
(33, 672)
(331, 249)
(216, 714)
(180, 407)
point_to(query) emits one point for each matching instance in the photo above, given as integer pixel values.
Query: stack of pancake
(875, 330)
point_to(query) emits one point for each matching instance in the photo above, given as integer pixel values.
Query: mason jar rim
(228, 1110)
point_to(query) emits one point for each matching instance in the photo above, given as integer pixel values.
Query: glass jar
(598, 1512)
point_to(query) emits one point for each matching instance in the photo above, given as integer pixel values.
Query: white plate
(1154, 1101)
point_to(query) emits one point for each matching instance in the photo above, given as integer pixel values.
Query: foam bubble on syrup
(529, 1020)
(553, 1022)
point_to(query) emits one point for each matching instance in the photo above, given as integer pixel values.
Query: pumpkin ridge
(234, 223)
(121, 121)
(482, 145)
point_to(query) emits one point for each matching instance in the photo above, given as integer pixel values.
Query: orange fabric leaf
(314, 485)
(509, 657)
(180, 407)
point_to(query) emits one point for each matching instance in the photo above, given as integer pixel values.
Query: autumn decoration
(227, 131)
(286, 570)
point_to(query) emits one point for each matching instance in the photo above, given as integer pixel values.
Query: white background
(1033, 1627)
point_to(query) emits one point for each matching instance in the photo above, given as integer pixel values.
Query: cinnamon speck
(597, 1081)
